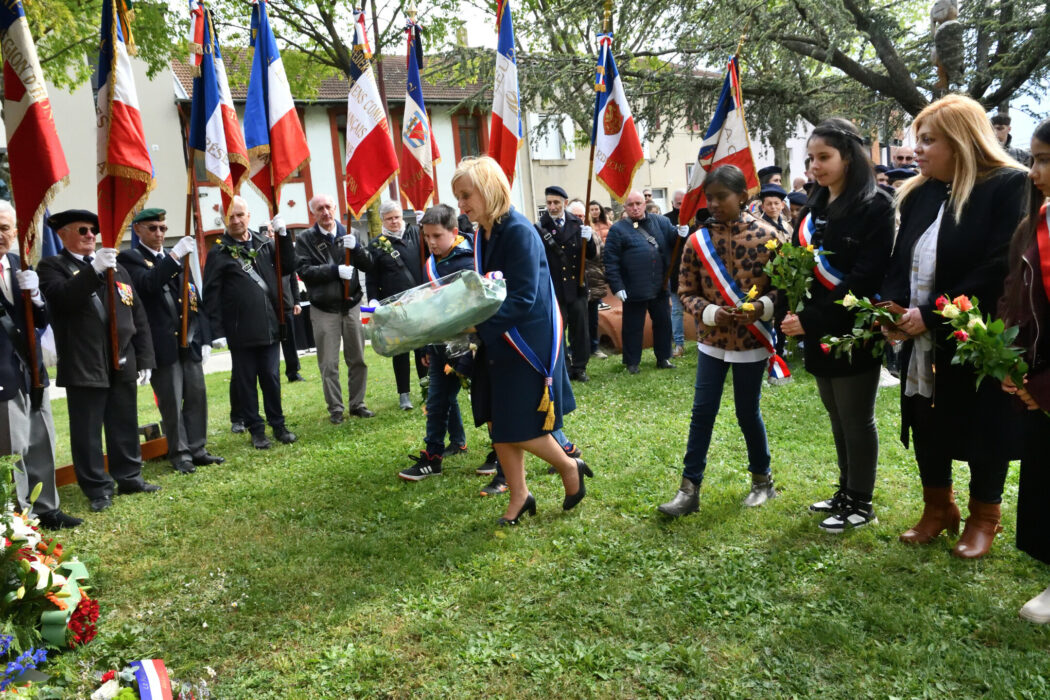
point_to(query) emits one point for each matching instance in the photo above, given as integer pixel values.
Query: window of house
(552, 136)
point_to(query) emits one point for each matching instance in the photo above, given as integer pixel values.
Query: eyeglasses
(85, 230)
(905, 159)
(158, 227)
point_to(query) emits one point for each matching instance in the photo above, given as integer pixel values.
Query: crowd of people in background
(957, 215)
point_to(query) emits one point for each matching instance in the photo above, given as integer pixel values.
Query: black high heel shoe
(570, 502)
(529, 505)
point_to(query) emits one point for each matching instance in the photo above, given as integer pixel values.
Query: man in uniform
(240, 298)
(771, 199)
(335, 312)
(74, 284)
(26, 427)
(178, 380)
(565, 238)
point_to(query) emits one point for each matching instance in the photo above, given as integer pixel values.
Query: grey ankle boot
(686, 501)
(405, 401)
(761, 490)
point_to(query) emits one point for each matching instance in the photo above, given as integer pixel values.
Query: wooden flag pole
(184, 329)
(114, 339)
(283, 329)
(27, 300)
(606, 22)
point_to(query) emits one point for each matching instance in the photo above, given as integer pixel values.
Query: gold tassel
(548, 424)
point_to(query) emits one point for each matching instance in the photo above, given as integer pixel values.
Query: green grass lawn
(311, 571)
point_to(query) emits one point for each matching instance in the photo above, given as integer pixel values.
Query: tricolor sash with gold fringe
(825, 273)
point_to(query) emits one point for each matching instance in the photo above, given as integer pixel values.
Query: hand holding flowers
(982, 342)
(791, 271)
(871, 320)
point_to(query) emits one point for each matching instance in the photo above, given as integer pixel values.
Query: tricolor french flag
(272, 133)
(38, 165)
(371, 161)
(617, 148)
(125, 171)
(214, 129)
(419, 152)
(725, 143)
(505, 132)
(196, 36)
(152, 679)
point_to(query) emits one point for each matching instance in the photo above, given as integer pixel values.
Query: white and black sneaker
(426, 465)
(490, 465)
(855, 515)
(835, 504)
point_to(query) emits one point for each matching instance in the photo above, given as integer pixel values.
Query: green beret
(152, 214)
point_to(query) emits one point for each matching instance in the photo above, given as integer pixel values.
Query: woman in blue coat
(520, 386)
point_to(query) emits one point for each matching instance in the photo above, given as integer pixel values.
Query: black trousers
(1033, 493)
(90, 411)
(257, 367)
(578, 332)
(659, 310)
(401, 370)
(592, 323)
(289, 347)
(987, 476)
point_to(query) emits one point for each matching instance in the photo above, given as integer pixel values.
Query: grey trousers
(183, 406)
(329, 330)
(30, 435)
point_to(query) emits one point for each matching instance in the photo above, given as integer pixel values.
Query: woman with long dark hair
(597, 219)
(1026, 303)
(851, 220)
(723, 284)
(957, 218)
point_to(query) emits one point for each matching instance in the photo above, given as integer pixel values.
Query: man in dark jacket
(637, 255)
(27, 429)
(393, 263)
(565, 239)
(335, 312)
(178, 380)
(74, 285)
(240, 298)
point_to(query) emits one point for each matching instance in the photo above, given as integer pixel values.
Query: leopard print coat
(741, 245)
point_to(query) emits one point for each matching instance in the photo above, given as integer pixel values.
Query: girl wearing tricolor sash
(957, 217)
(722, 283)
(520, 385)
(1026, 303)
(851, 220)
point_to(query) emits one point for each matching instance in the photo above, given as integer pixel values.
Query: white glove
(184, 247)
(586, 232)
(349, 241)
(144, 375)
(105, 259)
(28, 281)
(277, 224)
(622, 295)
(346, 272)
(683, 231)
(219, 344)
(205, 353)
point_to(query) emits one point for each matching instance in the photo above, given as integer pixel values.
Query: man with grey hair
(27, 429)
(393, 263)
(335, 297)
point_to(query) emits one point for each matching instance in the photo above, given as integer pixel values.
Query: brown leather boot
(938, 514)
(981, 528)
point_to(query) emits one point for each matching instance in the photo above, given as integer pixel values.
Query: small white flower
(849, 301)
(950, 311)
(975, 322)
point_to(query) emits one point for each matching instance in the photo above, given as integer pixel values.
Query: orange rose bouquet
(982, 342)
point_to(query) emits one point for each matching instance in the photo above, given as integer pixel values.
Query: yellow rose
(747, 306)
(771, 244)
(752, 293)
(950, 311)
(810, 248)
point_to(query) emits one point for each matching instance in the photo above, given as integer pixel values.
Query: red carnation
(825, 347)
(941, 302)
(961, 336)
(108, 676)
(82, 622)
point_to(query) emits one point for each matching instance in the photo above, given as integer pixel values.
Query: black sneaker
(495, 487)
(57, 520)
(490, 466)
(285, 436)
(237, 427)
(454, 450)
(260, 441)
(426, 465)
(855, 514)
(835, 504)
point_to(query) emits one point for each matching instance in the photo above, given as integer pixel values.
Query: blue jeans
(560, 436)
(443, 407)
(747, 391)
(677, 321)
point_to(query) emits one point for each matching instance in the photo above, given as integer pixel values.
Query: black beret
(770, 170)
(772, 190)
(64, 218)
(900, 174)
(880, 168)
(797, 198)
(556, 191)
(151, 214)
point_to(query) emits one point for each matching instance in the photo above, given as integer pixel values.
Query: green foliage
(981, 342)
(869, 318)
(791, 272)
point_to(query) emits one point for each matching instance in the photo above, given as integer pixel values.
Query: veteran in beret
(98, 396)
(178, 379)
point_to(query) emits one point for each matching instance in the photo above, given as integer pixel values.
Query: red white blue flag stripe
(214, 128)
(152, 679)
(825, 273)
(725, 143)
(727, 286)
(419, 152)
(125, 171)
(38, 165)
(505, 131)
(617, 148)
(272, 133)
(371, 161)
(1042, 236)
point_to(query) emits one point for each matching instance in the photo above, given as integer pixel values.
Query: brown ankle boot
(938, 514)
(981, 528)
